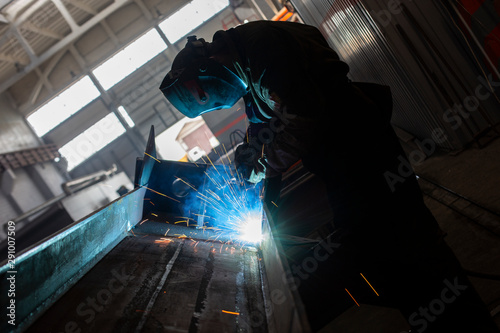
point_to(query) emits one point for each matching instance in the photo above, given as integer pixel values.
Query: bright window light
(129, 59)
(92, 140)
(189, 17)
(63, 106)
(126, 116)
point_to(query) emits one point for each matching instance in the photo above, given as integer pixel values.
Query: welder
(302, 106)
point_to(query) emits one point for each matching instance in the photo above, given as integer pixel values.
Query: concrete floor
(475, 238)
(474, 174)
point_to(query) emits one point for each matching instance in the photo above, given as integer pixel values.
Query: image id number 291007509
(11, 273)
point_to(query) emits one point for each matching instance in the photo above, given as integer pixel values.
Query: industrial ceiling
(46, 44)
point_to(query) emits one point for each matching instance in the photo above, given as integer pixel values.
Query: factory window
(126, 116)
(129, 59)
(189, 17)
(63, 106)
(92, 140)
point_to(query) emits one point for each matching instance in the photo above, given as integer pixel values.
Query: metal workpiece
(168, 256)
(209, 197)
(165, 284)
(190, 249)
(45, 271)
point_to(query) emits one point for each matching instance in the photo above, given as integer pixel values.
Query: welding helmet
(197, 84)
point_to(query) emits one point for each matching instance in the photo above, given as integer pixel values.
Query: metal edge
(286, 307)
(27, 309)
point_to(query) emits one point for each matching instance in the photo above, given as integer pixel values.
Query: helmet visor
(203, 87)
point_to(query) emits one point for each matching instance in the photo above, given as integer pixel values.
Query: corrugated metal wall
(438, 74)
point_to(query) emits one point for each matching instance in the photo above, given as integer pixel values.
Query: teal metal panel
(44, 272)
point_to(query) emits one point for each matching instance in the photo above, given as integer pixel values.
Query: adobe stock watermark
(430, 313)
(11, 273)
(483, 91)
(384, 16)
(322, 251)
(310, 264)
(90, 141)
(455, 117)
(87, 309)
(417, 156)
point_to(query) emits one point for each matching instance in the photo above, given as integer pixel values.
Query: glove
(248, 164)
(257, 176)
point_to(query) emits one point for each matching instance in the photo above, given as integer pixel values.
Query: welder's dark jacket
(341, 130)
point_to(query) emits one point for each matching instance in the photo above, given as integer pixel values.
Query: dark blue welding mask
(197, 84)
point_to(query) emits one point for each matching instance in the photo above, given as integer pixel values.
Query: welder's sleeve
(291, 69)
(292, 140)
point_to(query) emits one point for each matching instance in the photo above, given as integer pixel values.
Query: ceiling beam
(79, 30)
(17, 22)
(78, 57)
(24, 44)
(8, 58)
(66, 14)
(42, 31)
(3, 19)
(43, 79)
(144, 9)
(82, 6)
(4, 3)
(110, 33)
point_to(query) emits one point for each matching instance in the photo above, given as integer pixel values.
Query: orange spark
(213, 165)
(376, 293)
(166, 196)
(213, 181)
(352, 297)
(163, 240)
(227, 155)
(157, 160)
(181, 236)
(185, 182)
(231, 312)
